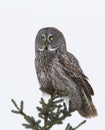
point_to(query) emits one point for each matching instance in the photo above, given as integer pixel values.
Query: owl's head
(49, 39)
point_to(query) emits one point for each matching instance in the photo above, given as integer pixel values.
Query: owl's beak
(46, 43)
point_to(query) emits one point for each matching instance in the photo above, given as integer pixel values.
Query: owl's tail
(87, 109)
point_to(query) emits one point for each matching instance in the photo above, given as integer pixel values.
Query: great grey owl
(57, 69)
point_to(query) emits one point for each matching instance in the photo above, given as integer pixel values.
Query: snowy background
(83, 25)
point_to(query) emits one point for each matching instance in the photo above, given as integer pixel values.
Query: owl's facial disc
(47, 43)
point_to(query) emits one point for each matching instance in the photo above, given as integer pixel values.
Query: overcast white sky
(83, 25)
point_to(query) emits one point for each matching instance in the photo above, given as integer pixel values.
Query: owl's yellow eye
(51, 38)
(43, 39)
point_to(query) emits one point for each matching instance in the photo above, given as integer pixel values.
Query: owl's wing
(72, 68)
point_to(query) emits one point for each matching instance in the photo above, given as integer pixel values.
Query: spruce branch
(30, 120)
(75, 128)
(51, 113)
(69, 127)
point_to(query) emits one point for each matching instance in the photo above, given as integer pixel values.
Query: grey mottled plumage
(59, 70)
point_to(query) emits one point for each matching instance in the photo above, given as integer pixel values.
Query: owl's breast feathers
(73, 70)
(43, 64)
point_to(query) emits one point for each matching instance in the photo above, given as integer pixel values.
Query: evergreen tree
(51, 113)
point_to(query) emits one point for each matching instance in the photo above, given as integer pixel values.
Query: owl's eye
(43, 39)
(51, 38)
